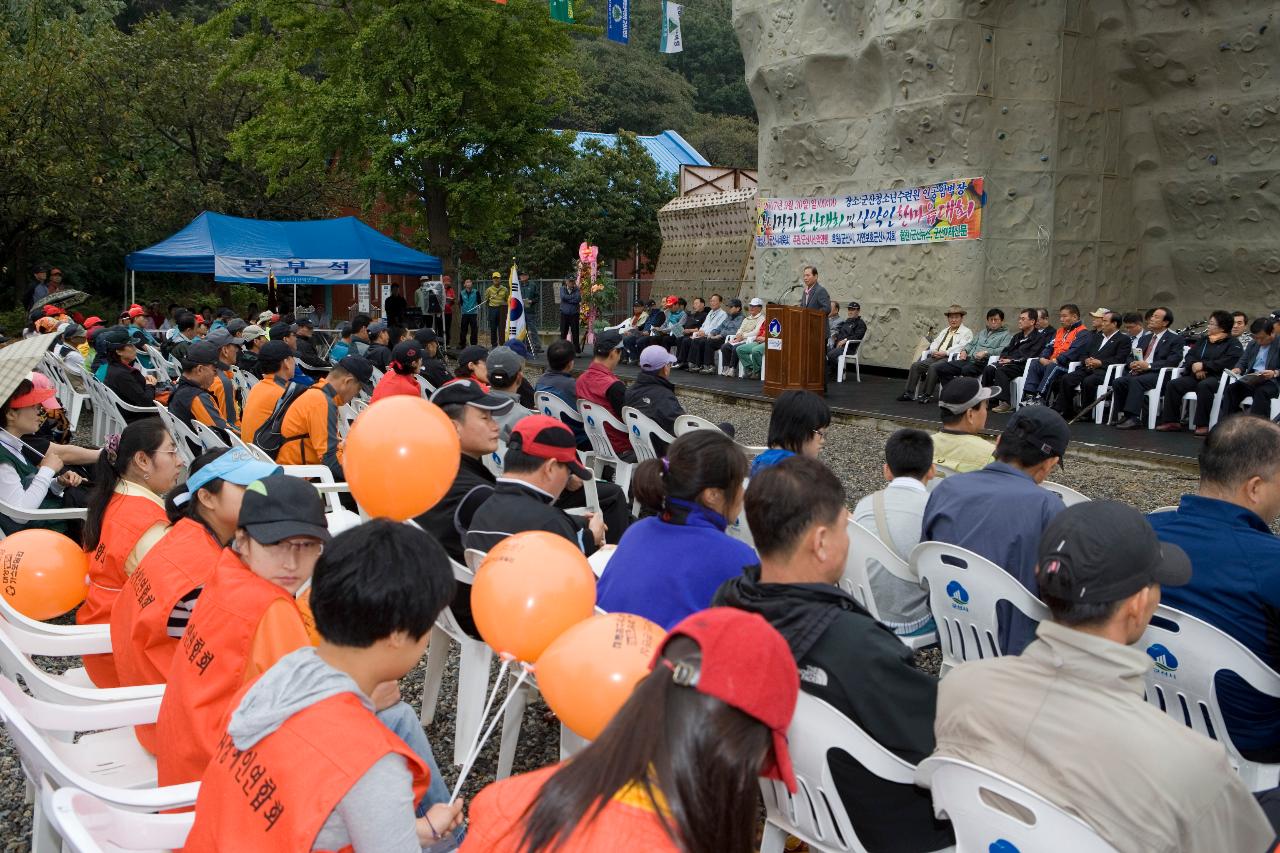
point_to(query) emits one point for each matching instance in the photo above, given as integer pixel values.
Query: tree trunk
(438, 231)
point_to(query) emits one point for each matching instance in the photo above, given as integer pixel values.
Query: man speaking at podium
(816, 296)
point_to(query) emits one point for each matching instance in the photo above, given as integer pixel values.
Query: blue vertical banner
(619, 21)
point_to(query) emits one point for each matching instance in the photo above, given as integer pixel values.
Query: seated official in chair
(990, 340)
(1202, 369)
(1067, 718)
(1068, 344)
(949, 341)
(1107, 346)
(1158, 348)
(1259, 372)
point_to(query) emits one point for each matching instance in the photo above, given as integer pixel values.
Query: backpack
(269, 436)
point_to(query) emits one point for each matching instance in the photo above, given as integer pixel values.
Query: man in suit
(1261, 359)
(815, 296)
(1026, 344)
(1107, 346)
(1159, 347)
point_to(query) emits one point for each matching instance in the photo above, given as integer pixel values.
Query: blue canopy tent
(319, 251)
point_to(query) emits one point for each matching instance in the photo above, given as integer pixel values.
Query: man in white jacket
(746, 334)
(953, 338)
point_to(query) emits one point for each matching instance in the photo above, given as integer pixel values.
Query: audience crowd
(281, 644)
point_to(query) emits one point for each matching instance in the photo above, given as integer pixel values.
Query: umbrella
(18, 360)
(65, 298)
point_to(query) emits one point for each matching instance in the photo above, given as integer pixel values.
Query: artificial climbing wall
(1131, 149)
(707, 238)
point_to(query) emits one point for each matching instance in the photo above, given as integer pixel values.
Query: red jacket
(600, 385)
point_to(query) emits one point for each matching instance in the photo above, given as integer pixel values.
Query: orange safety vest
(209, 667)
(1062, 340)
(278, 794)
(181, 561)
(126, 519)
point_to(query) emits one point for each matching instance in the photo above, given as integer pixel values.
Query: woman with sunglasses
(151, 613)
(126, 519)
(797, 427)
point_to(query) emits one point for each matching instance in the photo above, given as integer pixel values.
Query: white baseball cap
(756, 300)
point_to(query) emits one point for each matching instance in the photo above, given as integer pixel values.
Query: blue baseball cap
(235, 466)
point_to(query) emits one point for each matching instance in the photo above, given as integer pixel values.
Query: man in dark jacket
(1026, 344)
(541, 457)
(558, 380)
(471, 410)
(434, 370)
(652, 394)
(1202, 368)
(1260, 363)
(1107, 346)
(797, 514)
(1158, 348)
(851, 330)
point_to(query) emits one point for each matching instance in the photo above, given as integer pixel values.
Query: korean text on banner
(291, 270)
(515, 309)
(934, 214)
(672, 40)
(619, 28)
(562, 11)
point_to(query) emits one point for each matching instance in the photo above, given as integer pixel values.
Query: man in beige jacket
(1067, 718)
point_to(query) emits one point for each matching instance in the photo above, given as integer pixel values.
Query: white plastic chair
(980, 825)
(1070, 497)
(866, 548)
(208, 436)
(1187, 658)
(37, 514)
(964, 589)
(90, 825)
(595, 418)
(71, 687)
(122, 408)
(1163, 509)
(249, 447)
(815, 813)
(72, 400)
(855, 357)
(494, 461)
(1113, 372)
(106, 418)
(474, 659)
(184, 438)
(1227, 378)
(166, 369)
(338, 517)
(693, 423)
(107, 761)
(643, 430)
(1019, 384)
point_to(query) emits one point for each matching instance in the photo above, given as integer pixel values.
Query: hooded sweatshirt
(378, 812)
(861, 669)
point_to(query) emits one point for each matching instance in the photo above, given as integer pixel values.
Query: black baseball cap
(406, 352)
(274, 352)
(114, 338)
(607, 341)
(853, 305)
(360, 368)
(472, 354)
(547, 438)
(236, 325)
(963, 393)
(201, 352)
(1043, 427)
(468, 392)
(1097, 552)
(279, 507)
(280, 331)
(735, 302)
(426, 336)
(305, 321)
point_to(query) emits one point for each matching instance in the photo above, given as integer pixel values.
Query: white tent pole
(295, 300)
(133, 287)
(127, 271)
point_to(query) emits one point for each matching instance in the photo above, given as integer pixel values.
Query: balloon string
(483, 737)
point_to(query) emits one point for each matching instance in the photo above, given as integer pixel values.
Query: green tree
(726, 140)
(607, 195)
(431, 107)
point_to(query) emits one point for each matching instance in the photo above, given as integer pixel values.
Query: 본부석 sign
(932, 214)
(291, 270)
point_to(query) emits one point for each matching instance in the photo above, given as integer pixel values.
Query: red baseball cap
(136, 310)
(33, 397)
(547, 438)
(90, 322)
(52, 311)
(745, 664)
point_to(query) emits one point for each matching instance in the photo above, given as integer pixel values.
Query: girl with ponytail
(151, 612)
(126, 518)
(669, 565)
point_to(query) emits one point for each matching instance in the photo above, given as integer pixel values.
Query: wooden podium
(795, 349)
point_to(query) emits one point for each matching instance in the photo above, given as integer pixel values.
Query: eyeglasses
(821, 433)
(308, 548)
(174, 452)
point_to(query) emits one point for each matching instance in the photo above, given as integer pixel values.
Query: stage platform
(875, 397)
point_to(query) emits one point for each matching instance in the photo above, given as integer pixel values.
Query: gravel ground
(853, 450)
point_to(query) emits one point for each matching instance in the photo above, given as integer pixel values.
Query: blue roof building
(668, 149)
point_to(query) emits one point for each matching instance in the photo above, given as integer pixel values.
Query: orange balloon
(401, 457)
(43, 574)
(588, 673)
(530, 588)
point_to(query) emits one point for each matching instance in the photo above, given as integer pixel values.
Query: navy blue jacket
(570, 300)
(1235, 586)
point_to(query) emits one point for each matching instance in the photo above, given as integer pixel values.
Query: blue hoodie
(665, 570)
